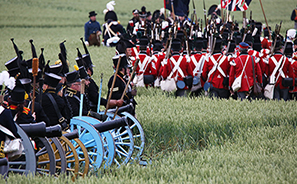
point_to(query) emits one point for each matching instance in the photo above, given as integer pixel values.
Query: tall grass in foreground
(179, 124)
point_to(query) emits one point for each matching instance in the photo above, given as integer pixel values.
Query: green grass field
(187, 140)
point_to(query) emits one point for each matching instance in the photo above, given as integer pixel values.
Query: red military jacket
(157, 58)
(261, 56)
(179, 72)
(215, 69)
(286, 71)
(236, 69)
(197, 62)
(145, 66)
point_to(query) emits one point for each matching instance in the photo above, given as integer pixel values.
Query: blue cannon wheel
(138, 135)
(91, 139)
(109, 144)
(124, 142)
(26, 164)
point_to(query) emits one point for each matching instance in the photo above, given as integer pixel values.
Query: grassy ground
(188, 140)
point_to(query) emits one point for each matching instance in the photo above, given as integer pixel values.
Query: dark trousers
(280, 93)
(219, 93)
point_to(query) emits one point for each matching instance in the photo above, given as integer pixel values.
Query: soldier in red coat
(197, 62)
(215, 70)
(157, 58)
(243, 65)
(178, 68)
(278, 69)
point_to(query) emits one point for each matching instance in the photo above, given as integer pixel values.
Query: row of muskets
(194, 28)
(87, 144)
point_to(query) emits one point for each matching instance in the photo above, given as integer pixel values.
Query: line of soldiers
(37, 91)
(177, 54)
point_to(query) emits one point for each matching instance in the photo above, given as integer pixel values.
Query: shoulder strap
(254, 75)
(61, 118)
(6, 131)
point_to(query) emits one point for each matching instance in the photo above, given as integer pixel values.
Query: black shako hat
(27, 84)
(52, 79)
(17, 95)
(176, 45)
(83, 73)
(111, 15)
(92, 13)
(56, 69)
(72, 77)
(157, 46)
(123, 62)
(11, 64)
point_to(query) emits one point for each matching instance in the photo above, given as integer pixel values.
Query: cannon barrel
(126, 108)
(71, 135)
(109, 125)
(53, 131)
(34, 129)
(3, 161)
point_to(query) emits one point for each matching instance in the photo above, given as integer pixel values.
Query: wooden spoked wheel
(46, 164)
(72, 160)
(83, 156)
(60, 156)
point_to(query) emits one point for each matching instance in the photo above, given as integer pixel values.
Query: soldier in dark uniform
(54, 105)
(92, 27)
(132, 22)
(73, 96)
(120, 82)
(111, 29)
(21, 114)
(6, 120)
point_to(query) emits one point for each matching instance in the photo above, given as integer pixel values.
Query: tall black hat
(123, 63)
(213, 9)
(110, 15)
(87, 60)
(52, 79)
(156, 15)
(17, 95)
(92, 13)
(218, 45)
(72, 77)
(11, 64)
(232, 46)
(83, 73)
(56, 69)
(143, 12)
(289, 49)
(27, 84)
(176, 45)
(121, 47)
(266, 32)
(157, 46)
(143, 41)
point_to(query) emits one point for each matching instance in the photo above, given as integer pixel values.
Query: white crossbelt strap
(143, 65)
(176, 67)
(217, 65)
(197, 64)
(136, 52)
(277, 68)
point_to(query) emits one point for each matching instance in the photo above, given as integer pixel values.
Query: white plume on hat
(4, 76)
(109, 7)
(10, 83)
